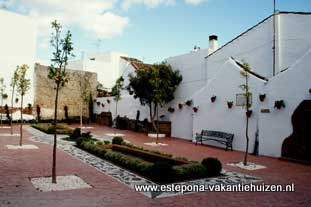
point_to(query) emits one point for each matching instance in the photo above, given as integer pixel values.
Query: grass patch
(49, 128)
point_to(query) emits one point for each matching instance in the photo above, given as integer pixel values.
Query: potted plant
(213, 99)
(230, 104)
(262, 97)
(171, 110)
(195, 109)
(249, 113)
(279, 104)
(98, 103)
(189, 102)
(108, 101)
(180, 105)
(103, 105)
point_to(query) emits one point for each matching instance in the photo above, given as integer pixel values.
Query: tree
(23, 85)
(2, 89)
(247, 95)
(116, 92)
(154, 85)
(13, 85)
(57, 72)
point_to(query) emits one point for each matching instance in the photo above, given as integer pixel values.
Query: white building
(18, 46)
(105, 64)
(280, 74)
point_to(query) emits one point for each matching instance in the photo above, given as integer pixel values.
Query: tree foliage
(154, 86)
(63, 50)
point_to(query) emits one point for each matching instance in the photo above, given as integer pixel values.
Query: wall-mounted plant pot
(195, 109)
(279, 104)
(16, 100)
(108, 101)
(213, 99)
(180, 106)
(98, 103)
(249, 113)
(230, 104)
(262, 97)
(103, 105)
(189, 102)
(171, 110)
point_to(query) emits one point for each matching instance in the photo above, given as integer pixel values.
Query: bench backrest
(218, 134)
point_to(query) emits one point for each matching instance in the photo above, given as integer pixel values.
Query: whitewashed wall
(18, 46)
(292, 86)
(217, 116)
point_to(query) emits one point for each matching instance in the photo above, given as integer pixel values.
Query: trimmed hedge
(161, 172)
(213, 166)
(117, 140)
(49, 128)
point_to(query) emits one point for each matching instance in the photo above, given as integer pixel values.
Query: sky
(150, 30)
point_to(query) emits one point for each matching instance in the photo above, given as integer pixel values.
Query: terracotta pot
(213, 99)
(262, 97)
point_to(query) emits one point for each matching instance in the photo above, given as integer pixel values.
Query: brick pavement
(16, 166)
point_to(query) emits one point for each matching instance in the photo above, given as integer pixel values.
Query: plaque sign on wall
(241, 99)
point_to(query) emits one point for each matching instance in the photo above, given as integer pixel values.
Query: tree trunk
(21, 126)
(157, 140)
(1, 108)
(11, 121)
(247, 141)
(55, 137)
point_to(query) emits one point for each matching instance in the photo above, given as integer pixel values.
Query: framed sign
(241, 99)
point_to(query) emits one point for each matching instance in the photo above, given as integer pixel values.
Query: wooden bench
(221, 137)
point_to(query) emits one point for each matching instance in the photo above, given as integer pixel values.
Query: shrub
(213, 166)
(50, 130)
(76, 133)
(190, 171)
(161, 171)
(106, 142)
(86, 135)
(117, 140)
(100, 143)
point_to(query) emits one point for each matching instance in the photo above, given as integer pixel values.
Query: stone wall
(44, 93)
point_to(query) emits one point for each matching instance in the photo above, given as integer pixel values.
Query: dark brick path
(16, 166)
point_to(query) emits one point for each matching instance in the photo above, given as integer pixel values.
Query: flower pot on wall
(213, 99)
(171, 110)
(262, 97)
(98, 103)
(230, 104)
(189, 102)
(249, 113)
(195, 109)
(103, 105)
(180, 106)
(108, 101)
(279, 104)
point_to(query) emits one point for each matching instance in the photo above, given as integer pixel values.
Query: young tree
(23, 86)
(14, 82)
(247, 95)
(2, 89)
(116, 92)
(57, 72)
(145, 85)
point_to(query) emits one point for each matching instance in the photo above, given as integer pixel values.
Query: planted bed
(154, 165)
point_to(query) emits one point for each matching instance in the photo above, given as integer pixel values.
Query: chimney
(213, 44)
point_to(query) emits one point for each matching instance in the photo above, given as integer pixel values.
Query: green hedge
(161, 172)
(49, 128)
